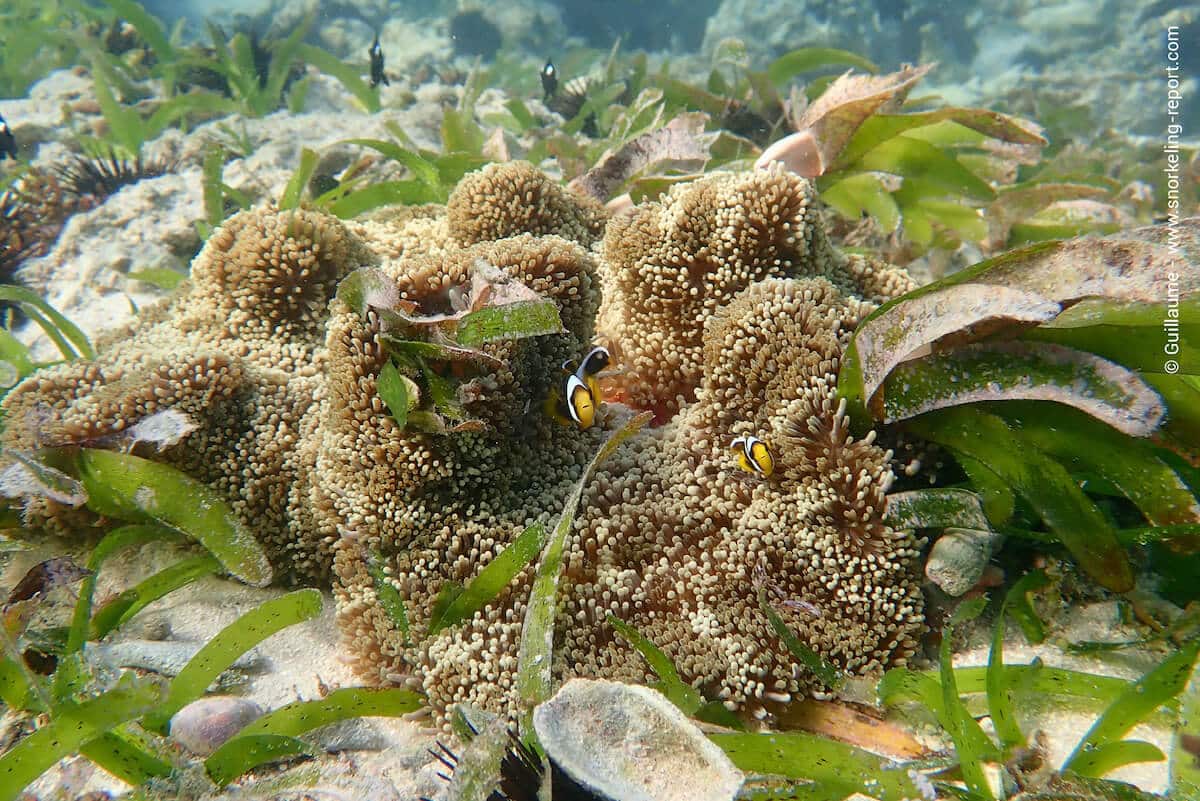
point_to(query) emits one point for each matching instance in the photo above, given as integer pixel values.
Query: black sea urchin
(520, 771)
(98, 176)
(520, 777)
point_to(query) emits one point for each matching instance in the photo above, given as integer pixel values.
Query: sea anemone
(281, 376)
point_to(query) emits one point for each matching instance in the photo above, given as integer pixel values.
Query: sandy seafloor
(390, 754)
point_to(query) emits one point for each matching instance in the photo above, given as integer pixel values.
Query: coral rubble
(727, 310)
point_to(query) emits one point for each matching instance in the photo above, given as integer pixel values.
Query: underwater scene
(431, 400)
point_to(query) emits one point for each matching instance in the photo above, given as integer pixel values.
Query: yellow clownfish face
(753, 455)
(580, 402)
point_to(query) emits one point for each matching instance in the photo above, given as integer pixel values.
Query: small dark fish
(8, 142)
(1191, 744)
(549, 80)
(45, 576)
(39, 661)
(378, 76)
(569, 99)
(321, 183)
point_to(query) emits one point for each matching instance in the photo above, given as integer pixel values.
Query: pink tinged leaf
(798, 153)
(849, 101)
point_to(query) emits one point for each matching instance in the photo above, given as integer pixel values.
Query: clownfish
(580, 402)
(576, 398)
(753, 455)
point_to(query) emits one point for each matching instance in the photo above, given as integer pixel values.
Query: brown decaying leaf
(825, 127)
(1103, 389)
(45, 576)
(1013, 205)
(489, 287)
(854, 726)
(681, 143)
(833, 117)
(1029, 286)
(891, 338)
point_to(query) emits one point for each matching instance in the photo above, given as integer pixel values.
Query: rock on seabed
(630, 743)
(203, 725)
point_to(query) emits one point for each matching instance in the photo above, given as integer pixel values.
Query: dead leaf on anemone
(1024, 371)
(1028, 286)
(828, 123)
(367, 288)
(681, 143)
(494, 306)
(859, 727)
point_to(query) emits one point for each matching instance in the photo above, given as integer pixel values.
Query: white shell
(630, 743)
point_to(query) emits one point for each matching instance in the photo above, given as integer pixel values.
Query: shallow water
(370, 366)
